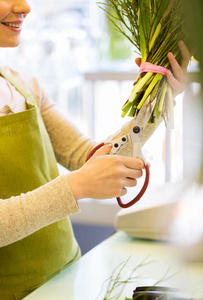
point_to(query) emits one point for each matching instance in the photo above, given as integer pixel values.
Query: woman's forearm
(22, 215)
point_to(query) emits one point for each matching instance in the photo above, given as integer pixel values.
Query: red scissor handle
(141, 193)
(92, 152)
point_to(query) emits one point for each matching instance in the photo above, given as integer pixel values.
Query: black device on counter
(157, 292)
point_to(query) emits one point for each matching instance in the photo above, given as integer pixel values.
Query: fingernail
(171, 55)
(181, 43)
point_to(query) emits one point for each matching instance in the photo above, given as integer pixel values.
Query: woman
(36, 238)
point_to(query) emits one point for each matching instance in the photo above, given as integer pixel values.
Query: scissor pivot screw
(116, 145)
(136, 129)
(123, 139)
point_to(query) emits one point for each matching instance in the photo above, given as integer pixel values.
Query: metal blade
(144, 114)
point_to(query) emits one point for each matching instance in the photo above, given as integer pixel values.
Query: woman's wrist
(77, 185)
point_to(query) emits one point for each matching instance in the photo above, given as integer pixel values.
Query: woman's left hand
(176, 78)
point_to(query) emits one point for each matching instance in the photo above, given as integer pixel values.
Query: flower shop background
(88, 68)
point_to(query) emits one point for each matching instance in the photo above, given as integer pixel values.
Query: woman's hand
(105, 176)
(176, 78)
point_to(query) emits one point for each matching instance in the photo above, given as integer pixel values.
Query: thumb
(105, 150)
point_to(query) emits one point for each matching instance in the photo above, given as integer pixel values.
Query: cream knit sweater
(22, 215)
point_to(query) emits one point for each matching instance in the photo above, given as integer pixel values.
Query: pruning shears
(133, 136)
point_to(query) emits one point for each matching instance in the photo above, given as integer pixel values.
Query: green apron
(27, 162)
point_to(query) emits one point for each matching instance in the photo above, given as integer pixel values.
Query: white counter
(85, 278)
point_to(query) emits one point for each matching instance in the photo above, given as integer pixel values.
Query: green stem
(154, 92)
(132, 111)
(163, 94)
(140, 85)
(159, 26)
(156, 110)
(154, 37)
(126, 107)
(157, 78)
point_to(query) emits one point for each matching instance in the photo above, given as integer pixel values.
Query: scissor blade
(144, 114)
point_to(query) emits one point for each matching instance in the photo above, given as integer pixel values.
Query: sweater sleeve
(71, 147)
(22, 215)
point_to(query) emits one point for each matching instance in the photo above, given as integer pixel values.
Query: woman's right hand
(105, 176)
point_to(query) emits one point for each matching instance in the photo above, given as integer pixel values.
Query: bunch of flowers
(154, 27)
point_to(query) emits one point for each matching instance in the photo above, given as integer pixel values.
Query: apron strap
(16, 84)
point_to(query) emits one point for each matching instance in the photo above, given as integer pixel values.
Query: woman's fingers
(123, 192)
(105, 150)
(180, 71)
(133, 163)
(176, 85)
(178, 78)
(176, 68)
(105, 176)
(130, 182)
(185, 56)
